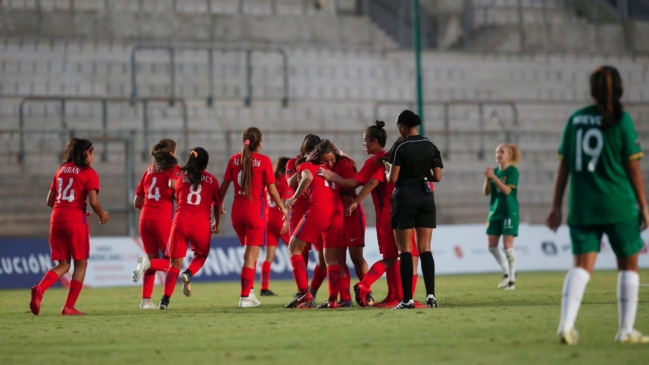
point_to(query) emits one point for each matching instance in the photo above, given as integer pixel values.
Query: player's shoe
(431, 301)
(634, 337)
(267, 293)
(37, 297)
(71, 311)
(307, 305)
(253, 297)
(314, 293)
(247, 302)
(164, 303)
(329, 304)
(345, 304)
(186, 278)
(511, 286)
(147, 304)
(387, 303)
(405, 305)
(419, 305)
(300, 298)
(568, 336)
(504, 282)
(361, 294)
(143, 264)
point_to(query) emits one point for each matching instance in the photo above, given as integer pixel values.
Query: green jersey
(600, 191)
(504, 206)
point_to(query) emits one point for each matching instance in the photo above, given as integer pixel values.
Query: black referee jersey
(416, 155)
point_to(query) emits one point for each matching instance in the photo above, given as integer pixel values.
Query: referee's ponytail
(606, 88)
(408, 118)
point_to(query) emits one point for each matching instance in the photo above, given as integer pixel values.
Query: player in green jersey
(600, 153)
(502, 183)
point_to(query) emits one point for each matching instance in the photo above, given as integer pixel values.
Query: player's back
(322, 194)
(158, 197)
(72, 184)
(262, 175)
(195, 201)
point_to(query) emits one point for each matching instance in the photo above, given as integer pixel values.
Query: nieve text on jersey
(70, 170)
(255, 162)
(587, 119)
(207, 179)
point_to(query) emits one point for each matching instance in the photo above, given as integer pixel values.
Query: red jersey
(195, 201)
(262, 175)
(375, 169)
(301, 205)
(285, 192)
(158, 196)
(323, 195)
(71, 184)
(345, 169)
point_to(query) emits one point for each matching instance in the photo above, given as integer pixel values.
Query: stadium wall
(458, 249)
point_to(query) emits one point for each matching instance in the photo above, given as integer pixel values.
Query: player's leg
(508, 243)
(265, 270)
(295, 248)
(331, 256)
(424, 237)
(345, 280)
(247, 298)
(176, 250)
(60, 249)
(320, 270)
(76, 284)
(403, 238)
(494, 230)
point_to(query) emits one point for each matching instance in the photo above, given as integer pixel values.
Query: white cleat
(187, 284)
(634, 337)
(143, 264)
(569, 336)
(148, 304)
(504, 282)
(511, 286)
(253, 297)
(248, 302)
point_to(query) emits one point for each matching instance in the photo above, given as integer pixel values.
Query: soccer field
(475, 324)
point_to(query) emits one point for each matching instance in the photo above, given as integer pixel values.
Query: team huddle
(312, 202)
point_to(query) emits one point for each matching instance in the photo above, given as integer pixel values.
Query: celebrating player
(197, 194)
(501, 183)
(251, 173)
(154, 196)
(276, 224)
(600, 152)
(74, 182)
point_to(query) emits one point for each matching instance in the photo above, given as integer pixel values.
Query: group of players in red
(319, 187)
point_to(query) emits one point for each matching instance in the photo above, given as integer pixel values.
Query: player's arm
(223, 190)
(94, 203)
(365, 191)
(634, 173)
(486, 187)
(274, 194)
(51, 197)
(347, 184)
(138, 202)
(436, 173)
(554, 219)
(306, 179)
(394, 174)
(505, 189)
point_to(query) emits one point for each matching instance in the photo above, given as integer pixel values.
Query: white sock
(628, 283)
(500, 259)
(511, 259)
(574, 286)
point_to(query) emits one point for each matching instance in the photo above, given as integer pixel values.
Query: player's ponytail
(606, 89)
(162, 154)
(377, 132)
(251, 143)
(196, 162)
(280, 166)
(76, 151)
(309, 143)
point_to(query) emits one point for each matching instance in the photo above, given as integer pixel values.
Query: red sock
(265, 275)
(333, 274)
(414, 284)
(299, 273)
(196, 264)
(319, 274)
(247, 280)
(170, 280)
(398, 289)
(73, 293)
(159, 264)
(148, 283)
(345, 282)
(49, 279)
(376, 271)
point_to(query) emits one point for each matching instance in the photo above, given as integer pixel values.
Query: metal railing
(210, 64)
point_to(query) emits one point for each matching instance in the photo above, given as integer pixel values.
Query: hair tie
(246, 142)
(90, 149)
(194, 153)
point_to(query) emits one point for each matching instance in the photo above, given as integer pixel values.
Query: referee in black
(415, 163)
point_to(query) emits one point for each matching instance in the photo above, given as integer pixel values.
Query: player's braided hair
(606, 88)
(196, 162)
(161, 153)
(76, 151)
(251, 142)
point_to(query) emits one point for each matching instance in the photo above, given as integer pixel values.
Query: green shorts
(624, 238)
(503, 227)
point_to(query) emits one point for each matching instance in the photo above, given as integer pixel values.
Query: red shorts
(183, 234)
(387, 245)
(334, 236)
(318, 245)
(69, 240)
(273, 229)
(312, 226)
(355, 229)
(155, 235)
(250, 229)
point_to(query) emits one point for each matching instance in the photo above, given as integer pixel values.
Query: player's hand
(222, 208)
(327, 174)
(311, 155)
(489, 173)
(289, 203)
(215, 228)
(554, 219)
(351, 208)
(644, 218)
(88, 213)
(103, 218)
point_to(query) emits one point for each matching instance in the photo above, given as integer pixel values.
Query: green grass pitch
(475, 324)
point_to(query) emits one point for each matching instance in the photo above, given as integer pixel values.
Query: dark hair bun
(409, 119)
(379, 123)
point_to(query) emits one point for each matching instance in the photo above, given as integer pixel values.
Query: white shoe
(253, 297)
(510, 286)
(148, 304)
(248, 302)
(143, 264)
(504, 282)
(569, 337)
(186, 278)
(634, 337)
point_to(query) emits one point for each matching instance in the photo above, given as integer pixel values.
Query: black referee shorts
(412, 208)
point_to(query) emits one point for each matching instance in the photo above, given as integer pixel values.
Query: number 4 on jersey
(155, 196)
(66, 194)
